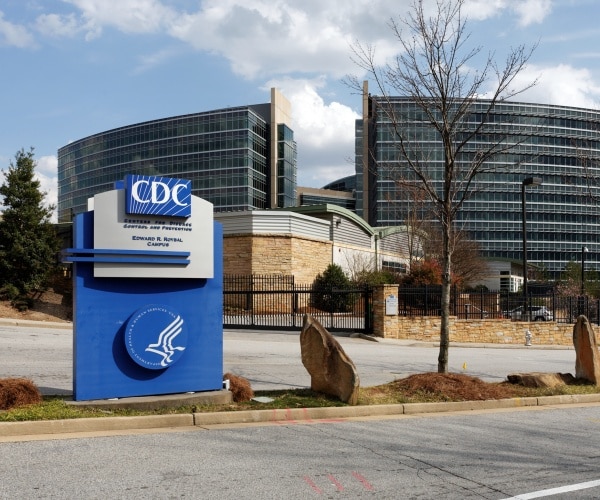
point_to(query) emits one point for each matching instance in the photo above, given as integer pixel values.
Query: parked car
(536, 313)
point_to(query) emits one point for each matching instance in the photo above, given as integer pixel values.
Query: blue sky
(72, 68)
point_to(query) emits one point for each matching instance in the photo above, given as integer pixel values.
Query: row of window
(168, 150)
(538, 111)
(176, 164)
(192, 125)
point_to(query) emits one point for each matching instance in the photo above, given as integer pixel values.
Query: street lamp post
(529, 181)
(581, 298)
(584, 250)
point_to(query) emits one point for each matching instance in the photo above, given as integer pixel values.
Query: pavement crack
(421, 467)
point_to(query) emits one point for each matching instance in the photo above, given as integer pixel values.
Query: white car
(536, 313)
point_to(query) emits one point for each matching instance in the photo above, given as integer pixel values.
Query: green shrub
(372, 278)
(22, 303)
(324, 289)
(9, 292)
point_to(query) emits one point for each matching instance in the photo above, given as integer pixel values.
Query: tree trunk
(444, 326)
(446, 290)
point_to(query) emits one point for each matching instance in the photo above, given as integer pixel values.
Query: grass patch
(421, 388)
(283, 399)
(55, 408)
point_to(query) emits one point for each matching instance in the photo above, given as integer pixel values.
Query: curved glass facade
(344, 184)
(560, 145)
(225, 153)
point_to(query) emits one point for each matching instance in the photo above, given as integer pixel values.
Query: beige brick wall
(309, 258)
(271, 255)
(237, 255)
(489, 331)
(303, 258)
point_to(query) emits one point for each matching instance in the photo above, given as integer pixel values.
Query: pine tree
(28, 241)
(324, 287)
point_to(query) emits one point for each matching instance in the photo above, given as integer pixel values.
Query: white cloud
(323, 131)
(56, 25)
(527, 11)
(281, 37)
(271, 37)
(562, 84)
(15, 35)
(153, 60)
(46, 172)
(483, 9)
(128, 16)
(532, 11)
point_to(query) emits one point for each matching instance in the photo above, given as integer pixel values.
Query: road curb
(36, 324)
(96, 424)
(282, 416)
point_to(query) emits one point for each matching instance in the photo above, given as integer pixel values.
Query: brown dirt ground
(47, 307)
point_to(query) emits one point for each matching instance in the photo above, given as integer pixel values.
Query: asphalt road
(271, 360)
(522, 453)
(474, 455)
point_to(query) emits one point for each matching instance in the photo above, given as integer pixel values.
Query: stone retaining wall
(488, 331)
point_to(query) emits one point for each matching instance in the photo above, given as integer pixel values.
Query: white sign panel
(391, 305)
(116, 230)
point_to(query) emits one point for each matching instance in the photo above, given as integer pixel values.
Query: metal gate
(276, 303)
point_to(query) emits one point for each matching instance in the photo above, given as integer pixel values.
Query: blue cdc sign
(158, 196)
(148, 288)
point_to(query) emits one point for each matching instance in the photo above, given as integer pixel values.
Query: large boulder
(331, 371)
(539, 379)
(587, 358)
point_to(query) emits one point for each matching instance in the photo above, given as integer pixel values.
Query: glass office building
(558, 144)
(340, 192)
(238, 158)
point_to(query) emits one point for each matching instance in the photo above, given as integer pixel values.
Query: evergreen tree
(28, 241)
(327, 288)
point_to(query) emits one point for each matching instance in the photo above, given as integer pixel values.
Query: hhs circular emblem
(155, 337)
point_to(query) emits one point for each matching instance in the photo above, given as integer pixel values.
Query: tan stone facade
(284, 254)
(488, 331)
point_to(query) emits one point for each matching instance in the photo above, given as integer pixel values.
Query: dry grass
(420, 388)
(18, 392)
(240, 388)
(430, 387)
(47, 306)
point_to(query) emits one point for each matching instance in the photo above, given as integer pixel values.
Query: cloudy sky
(72, 68)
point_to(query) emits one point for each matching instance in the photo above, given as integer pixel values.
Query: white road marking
(556, 491)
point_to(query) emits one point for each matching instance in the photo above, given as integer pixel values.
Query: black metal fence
(426, 301)
(276, 302)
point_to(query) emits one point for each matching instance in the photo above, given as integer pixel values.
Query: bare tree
(434, 71)
(414, 221)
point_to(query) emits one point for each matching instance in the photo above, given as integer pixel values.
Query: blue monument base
(145, 336)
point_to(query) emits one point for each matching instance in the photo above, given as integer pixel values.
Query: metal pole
(530, 181)
(583, 250)
(525, 313)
